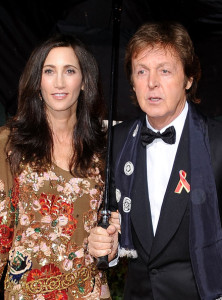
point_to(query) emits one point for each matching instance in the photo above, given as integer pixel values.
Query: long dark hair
(30, 139)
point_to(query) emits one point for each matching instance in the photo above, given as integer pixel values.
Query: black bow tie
(148, 135)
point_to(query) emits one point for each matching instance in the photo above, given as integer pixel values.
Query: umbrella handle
(102, 262)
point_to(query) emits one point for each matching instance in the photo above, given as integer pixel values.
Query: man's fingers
(100, 249)
(100, 242)
(115, 220)
(111, 229)
(99, 231)
(100, 235)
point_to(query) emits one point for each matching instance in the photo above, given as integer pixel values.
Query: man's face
(159, 83)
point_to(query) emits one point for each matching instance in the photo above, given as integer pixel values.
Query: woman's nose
(59, 81)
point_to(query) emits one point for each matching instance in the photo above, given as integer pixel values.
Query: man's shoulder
(125, 125)
(123, 128)
(214, 130)
(121, 132)
(215, 139)
(211, 124)
(214, 125)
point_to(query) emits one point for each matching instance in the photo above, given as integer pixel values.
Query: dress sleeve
(7, 208)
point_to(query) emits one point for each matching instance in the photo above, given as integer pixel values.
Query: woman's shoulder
(4, 133)
(5, 173)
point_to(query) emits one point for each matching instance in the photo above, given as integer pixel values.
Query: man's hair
(167, 35)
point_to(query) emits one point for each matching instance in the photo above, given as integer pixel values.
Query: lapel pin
(182, 183)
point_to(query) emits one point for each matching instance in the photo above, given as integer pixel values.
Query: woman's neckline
(58, 167)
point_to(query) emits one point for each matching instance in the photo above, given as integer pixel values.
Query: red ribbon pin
(182, 183)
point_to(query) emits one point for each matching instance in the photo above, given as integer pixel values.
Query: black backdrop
(23, 24)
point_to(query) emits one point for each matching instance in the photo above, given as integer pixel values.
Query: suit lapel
(141, 216)
(174, 205)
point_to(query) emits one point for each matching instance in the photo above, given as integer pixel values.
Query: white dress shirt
(160, 158)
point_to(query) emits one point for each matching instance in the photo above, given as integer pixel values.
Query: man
(167, 167)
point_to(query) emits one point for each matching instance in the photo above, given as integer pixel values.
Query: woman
(51, 177)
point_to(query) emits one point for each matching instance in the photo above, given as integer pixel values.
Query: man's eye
(141, 72)
(165, 71)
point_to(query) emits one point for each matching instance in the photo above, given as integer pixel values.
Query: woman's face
(61, 80)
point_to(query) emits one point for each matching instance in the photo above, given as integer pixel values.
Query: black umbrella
(117, 9)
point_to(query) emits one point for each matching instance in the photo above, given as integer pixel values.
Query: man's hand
(115, 220)
(102, 242)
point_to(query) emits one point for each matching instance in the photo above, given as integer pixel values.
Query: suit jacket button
(154, 271)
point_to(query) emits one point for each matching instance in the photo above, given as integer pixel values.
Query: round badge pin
(118, 195)
(128, 168)
(126, 204)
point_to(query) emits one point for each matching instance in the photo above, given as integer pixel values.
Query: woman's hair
(30, 139)
(166, 35)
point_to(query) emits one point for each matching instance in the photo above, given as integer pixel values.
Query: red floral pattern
(49, 204)
(47, 272)
(15, 195)
(6, 235)
(50, 213)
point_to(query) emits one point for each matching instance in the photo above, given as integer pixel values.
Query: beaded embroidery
(44, 223)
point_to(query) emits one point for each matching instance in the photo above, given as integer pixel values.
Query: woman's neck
(62, 134)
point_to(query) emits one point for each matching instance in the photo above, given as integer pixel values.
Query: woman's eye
(48, 71)
(70, 71)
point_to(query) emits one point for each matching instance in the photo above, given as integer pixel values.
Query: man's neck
(157, 124)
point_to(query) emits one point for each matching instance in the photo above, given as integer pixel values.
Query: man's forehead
(155, 49)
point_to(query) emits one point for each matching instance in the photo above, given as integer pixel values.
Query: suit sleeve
(6, 205)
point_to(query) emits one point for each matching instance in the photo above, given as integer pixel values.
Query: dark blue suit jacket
(163, 268)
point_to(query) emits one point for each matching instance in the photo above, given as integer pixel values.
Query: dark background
(23, 24)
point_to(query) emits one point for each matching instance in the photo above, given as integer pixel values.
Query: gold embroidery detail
(59, 282)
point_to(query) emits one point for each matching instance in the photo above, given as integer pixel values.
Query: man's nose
(153, 80)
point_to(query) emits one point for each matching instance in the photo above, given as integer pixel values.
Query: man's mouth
(154, 99)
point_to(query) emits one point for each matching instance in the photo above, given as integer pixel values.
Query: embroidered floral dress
(45, 219)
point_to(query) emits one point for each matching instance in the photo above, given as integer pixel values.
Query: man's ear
(189, 83)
